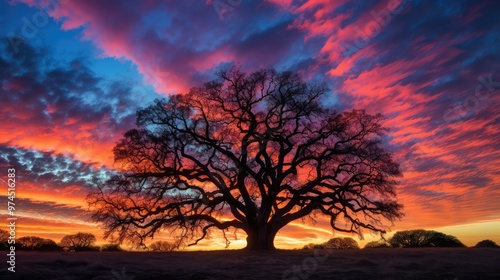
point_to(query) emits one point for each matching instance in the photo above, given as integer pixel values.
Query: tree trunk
(260, 239)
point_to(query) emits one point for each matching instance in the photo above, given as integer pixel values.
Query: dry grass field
(435, 263)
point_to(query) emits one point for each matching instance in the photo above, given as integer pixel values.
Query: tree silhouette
(79, 242)
(486, 244)
(334, 243)
(111, 248)
(250, 152)
(38, 244)
(440, 239)
(423, 238)
(410, 238)
(377, 244)
(341, 243)
(311, 246)
(162, 246)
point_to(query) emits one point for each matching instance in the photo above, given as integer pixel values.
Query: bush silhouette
(341, 243)
(443, 240)
(377, 244)
(486, 244)
(334, 243)
(79, 242)
(162, 246)
(111, 248)
(35, 243)
(423, 238)
(311, 246)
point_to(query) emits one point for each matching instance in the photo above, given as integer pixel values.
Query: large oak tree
(251, 152)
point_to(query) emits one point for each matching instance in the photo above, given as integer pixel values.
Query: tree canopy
(423, 238)
(38, 243)
(162, 246)
(78, 242)
(111, 248)
(487, 243)
(377, 244)
(341, 243)
(250, 152)
(335, 243)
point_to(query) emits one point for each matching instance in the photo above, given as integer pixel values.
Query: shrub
(162, 246)
(377, 244)
(111, 248)
(486, 244)
(35, 243)
(312, 246)
(341, 243)
(423, 238)
(443, 240)
(79, 242)
(334, 243)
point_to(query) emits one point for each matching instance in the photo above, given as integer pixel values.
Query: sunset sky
(73, 74)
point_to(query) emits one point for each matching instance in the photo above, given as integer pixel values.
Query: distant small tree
(410, 238)
(486, 244)
(111, 248)
(312, 246)
(38, 244)
(79, 242)
(341, 243)
(162, 246)
(423, 238)
(377, 244)
(334, 243)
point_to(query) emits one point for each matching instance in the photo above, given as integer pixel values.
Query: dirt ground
(433, 263)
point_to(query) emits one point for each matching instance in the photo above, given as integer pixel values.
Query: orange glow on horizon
(293, 236)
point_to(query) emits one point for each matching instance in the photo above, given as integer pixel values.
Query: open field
(435, 263)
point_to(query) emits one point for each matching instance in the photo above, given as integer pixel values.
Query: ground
(430, 263)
